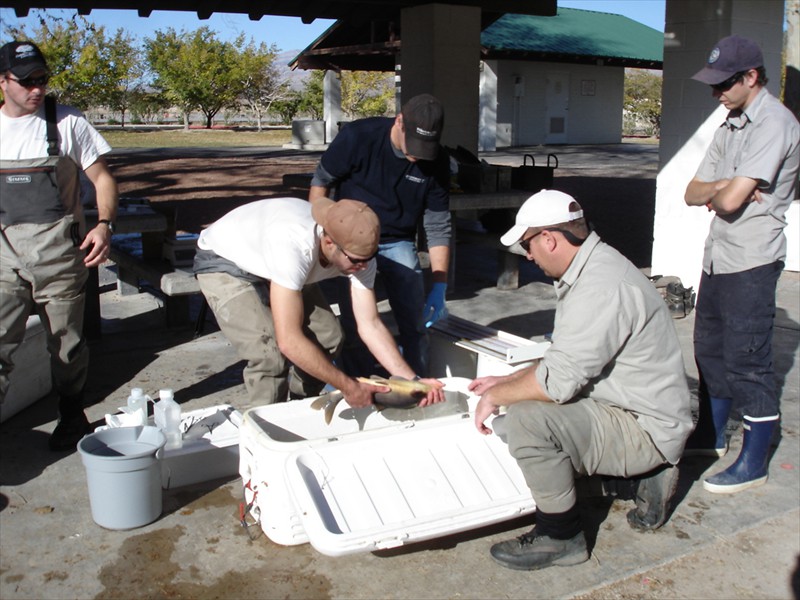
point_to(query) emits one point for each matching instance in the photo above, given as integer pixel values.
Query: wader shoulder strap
(52, 126)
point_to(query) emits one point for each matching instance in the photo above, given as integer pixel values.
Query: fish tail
(329, 412)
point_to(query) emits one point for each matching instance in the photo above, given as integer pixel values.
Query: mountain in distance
(298, 76)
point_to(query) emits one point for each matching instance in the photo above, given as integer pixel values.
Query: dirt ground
(201, 185)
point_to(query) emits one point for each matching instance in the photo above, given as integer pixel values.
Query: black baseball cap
(423, 119)
(22, 59)
(731, 55)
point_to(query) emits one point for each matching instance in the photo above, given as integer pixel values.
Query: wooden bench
(176, 284)
(297, 180)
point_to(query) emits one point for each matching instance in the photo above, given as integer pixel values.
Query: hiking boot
(653, 497)
(69, 431)
(532, 551)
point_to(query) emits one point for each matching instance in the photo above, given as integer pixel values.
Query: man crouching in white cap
(609, 397)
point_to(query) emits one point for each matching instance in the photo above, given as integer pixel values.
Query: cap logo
(714, 56)
(25, 51)
(425, 132)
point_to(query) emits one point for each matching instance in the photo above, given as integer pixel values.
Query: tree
(196, 70)
(287, 107)
(124, 73)
(642, 102)
(261, 79)
(147, 106)
(367, 93)
(312, 96)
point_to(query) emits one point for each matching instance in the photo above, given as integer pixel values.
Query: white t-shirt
(26, 137)
(276, 239)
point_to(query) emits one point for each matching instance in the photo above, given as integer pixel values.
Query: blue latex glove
(434, 305)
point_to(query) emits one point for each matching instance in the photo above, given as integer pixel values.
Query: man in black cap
(748, 178)
(396, 166)
(45, 250)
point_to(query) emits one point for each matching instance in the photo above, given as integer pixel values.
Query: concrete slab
(740, 546)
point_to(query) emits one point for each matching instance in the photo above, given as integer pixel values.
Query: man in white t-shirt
(45, 250)
(258, 267)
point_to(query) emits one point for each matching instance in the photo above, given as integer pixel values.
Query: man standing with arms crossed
(748, 178)
(44, 249)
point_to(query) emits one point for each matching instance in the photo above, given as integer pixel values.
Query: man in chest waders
(45, 250)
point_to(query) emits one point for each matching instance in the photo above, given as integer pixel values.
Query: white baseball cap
(547, 207)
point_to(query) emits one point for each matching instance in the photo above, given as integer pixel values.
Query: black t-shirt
(364, 166)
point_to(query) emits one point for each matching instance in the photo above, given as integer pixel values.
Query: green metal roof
(575, 35)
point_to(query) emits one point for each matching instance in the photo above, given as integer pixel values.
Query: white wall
(593, 119)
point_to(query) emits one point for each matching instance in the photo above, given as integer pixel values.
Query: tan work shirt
(614, 342)
(762, 143)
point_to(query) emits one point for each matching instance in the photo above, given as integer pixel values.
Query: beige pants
(42, 270)
(244, 315)
(554, 442)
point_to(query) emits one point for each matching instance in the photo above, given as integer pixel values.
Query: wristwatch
(109, 223)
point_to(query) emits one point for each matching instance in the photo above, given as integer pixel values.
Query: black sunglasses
(526, 243)
(729, 82)
(32, 82)
(355, 261)
(571, 237)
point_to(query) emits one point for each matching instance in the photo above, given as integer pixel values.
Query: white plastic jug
(137, 406)
(167, 414)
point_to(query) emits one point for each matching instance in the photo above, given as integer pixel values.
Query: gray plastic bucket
(124, 475)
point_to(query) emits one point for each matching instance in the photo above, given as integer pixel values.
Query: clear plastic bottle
(167, 414)
(137, 406)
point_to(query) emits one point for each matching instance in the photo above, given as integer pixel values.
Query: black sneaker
(532, 551)
(69, 431)
(653, 497)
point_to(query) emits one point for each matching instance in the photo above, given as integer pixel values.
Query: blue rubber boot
(708, 437)
(750, 469)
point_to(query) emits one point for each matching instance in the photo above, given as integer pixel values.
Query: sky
(288, 33)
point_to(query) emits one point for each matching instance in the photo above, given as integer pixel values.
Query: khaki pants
(554, 442)
(244, 315)
(42, 270)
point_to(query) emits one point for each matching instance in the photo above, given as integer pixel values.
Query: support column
(331, 104)
(487, 128)
(441, 56)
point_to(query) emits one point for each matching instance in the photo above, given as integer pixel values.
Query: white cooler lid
(382, 489)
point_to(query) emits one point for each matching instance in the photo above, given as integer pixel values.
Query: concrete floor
(740, 546)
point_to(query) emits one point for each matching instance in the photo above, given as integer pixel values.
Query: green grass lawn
(198, 138)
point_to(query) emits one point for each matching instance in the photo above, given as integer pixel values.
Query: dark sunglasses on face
(32, 82)
(526, 243)
(728, 83)
(355, 261)
(571, 237)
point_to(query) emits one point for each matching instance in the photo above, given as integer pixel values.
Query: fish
(455, 403)
(403, 393)
(328, 402)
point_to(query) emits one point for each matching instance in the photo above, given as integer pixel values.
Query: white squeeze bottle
(167, 415)
(137, 406)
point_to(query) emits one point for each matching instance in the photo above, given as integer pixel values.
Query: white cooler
(375, 480)
(30, 380)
